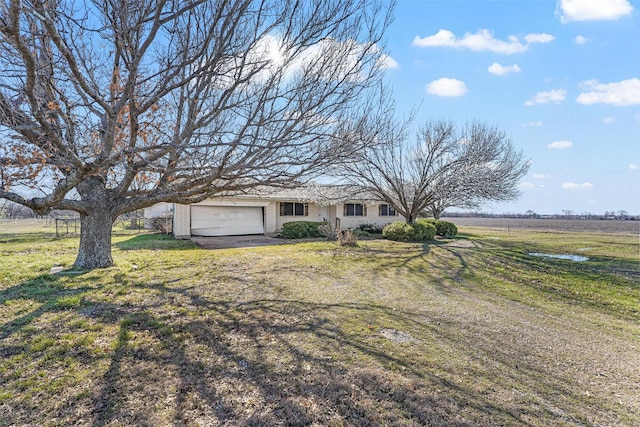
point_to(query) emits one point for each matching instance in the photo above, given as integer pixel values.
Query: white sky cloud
(539, 38)
(633, 167)
(560, 145)
(592, 10)
(446, 87)
(537, 123)
(580, 40)
(387, 62)
(574, 186)
(608, 120)
(482, 40)
(623, 93)
(526, 185)
(556, 96)
(537, 176)
(503, 70)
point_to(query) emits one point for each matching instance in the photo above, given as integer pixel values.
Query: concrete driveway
(224, 242)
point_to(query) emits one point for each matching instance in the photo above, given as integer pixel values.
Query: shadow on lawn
(268, 362)
(45, 290)
(183, 357)
(262, 362)
(263, 377)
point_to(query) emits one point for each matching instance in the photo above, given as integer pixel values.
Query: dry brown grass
(384, 333)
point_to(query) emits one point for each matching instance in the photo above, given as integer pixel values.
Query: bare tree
(111, 106)
(443, 167)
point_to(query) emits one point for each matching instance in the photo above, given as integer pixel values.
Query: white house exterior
(159, 210)
(265, 214)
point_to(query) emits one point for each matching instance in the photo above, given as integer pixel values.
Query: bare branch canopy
(442, 167)
(111, 106)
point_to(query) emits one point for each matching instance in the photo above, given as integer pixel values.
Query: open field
(578, 225)
(472, 331)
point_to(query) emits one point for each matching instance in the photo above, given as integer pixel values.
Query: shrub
(416, 232)
(301, 230)
(370, 228)
(163, 225)
(445, 229)
(427, 231)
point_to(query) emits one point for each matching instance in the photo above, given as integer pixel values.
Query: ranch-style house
(266, 211)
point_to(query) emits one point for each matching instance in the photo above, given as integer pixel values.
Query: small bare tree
(443, 167)
(111, 106)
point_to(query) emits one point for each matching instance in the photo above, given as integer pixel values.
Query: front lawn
(470, 331)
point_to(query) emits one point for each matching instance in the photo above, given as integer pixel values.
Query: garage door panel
(226, 220)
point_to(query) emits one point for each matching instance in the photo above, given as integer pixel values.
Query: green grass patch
(466, 331)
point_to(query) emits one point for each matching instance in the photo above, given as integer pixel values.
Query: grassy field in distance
(469, 331)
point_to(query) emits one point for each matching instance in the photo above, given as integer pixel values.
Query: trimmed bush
(445, 229)
(301, 229)
(427, 231)
(370, 228)
(403, 232)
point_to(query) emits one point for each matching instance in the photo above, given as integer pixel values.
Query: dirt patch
(461, 243)
(397, 336)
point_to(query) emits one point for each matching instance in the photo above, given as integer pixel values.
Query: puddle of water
(576, 258)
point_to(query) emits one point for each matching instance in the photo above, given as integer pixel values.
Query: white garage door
(226, 220)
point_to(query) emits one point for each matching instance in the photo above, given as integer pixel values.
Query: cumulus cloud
(623, 93)
(592, 10)
(387, 62)
(580, 40)
(633, 167)
(482, 40)
(503, 70)
(537, 176)
(560, 145)
(574, 186)
(446, 87)
(556, 96)
(537, 123)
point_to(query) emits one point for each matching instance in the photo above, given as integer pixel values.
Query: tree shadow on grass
(266, 362)
(46, 291)
(185, 357)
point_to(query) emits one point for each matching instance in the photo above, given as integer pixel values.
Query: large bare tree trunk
(95, 241)
(95, 225)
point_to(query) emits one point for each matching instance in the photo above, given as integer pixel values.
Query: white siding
(372, 217)
(312, 210)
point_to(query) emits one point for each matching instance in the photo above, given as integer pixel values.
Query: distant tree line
(566, 214)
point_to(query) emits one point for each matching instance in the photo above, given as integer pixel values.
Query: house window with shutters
(294, 209)
(386, 210)
(354, 209)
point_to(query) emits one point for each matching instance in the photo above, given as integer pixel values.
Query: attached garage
(226, 220)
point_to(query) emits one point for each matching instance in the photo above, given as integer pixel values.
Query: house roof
(315, 193)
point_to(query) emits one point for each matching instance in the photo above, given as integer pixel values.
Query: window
(386, 210)
(294, 209)
(354, 209)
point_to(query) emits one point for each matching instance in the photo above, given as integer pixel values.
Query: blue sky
(562, 78)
